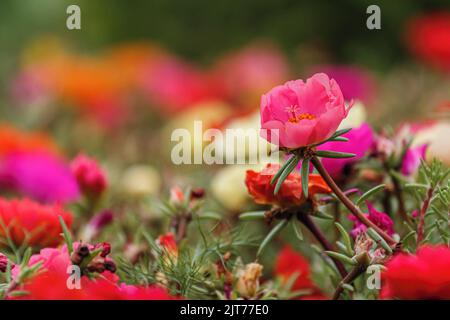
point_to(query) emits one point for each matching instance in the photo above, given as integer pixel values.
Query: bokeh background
(136, 70)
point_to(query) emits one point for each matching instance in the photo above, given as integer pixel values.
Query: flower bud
(248, 281)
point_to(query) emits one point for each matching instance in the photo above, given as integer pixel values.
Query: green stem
(348, 203)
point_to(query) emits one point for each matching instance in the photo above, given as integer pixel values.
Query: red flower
(290, 262)
(290, 193)
(32, 223)
(104, 286)
(429, 39)
(425, 275)
(167, 241)
(89, 175)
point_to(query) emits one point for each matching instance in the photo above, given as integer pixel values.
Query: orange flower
(32, 223)
(290, 193)
(14, 140)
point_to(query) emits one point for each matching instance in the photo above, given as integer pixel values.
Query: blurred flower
(176, 195)
(90, 177)
(228, 186)
(247, 123)
(248, 280)
(355, 82)
(169, 245)
(435, 135)
(28, 88)
(55, 263)
(380, 219)
(424, 276)
(13, 140)
(428, 38)
(174, 85)
(140, 180)
(244, 75)
(356, 116)
(361, 140)
(290, 263)
(31, 223)
(290, 193)
(209, 114)
(96, 224)
(412, 158)
(38, 175)
(301, 114)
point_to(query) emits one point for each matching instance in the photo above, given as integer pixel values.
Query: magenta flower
(411, 160)
(38, 175)
(299, 113)
(381, 219)
(355, 82)
(361, 140)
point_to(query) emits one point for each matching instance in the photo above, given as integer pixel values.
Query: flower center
(294, 117)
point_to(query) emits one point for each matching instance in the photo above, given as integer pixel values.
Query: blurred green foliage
(203, 29)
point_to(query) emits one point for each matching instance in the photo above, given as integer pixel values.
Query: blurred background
(136, 70)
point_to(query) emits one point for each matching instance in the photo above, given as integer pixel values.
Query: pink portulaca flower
(381, 219)
(90, 177)
(361, 140)
(299, 113)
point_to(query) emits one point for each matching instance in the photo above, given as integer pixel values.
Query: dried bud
(363, 243)
(79, 254)
(110, 266)
(197, 193)
(248, 281)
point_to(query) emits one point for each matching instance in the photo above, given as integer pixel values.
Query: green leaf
(284, 166)
(340, 257)
(342, 139)
(375, 236)
(210, 216)
(26, 257)
(340, 133)
(66, 234)
(322, 215)
(334, 155)
(275, 230)
(252, 215)
(345, 237)
(370, 193)
(286, 173)
(305, 176)
(348, 287)
(416, 186)
(297, 230)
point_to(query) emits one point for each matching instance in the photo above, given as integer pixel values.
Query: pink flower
(298, 114)
(38, 175)
(174, 85)
(411, 160)
(380, 219)
(361, 140)
(245, 74)
(90, 177)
